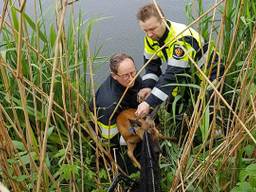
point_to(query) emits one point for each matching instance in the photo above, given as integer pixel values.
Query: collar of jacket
(168, 34)
(165, 35)
(115, 84)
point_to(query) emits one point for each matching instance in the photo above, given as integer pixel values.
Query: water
(120, 31)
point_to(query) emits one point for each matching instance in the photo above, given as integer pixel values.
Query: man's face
(153, 28)
(125, 73)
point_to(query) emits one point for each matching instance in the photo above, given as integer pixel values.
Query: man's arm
(164, 87)
(152, 72)
(177, 65)
(108, 128)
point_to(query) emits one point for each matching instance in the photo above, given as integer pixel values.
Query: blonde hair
(148, 11)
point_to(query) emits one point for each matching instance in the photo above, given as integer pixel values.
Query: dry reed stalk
(99, 146)
(212, 133)
(229, 65)
(216, 101)
(9, 96)
(15, 124)
(222, 99)
(94, 110)
(181, 179)
(86, 127)
(78, 103)
(21, 136)
(29, 132)
(55, 62)
(253, 105)
(237, 139)
(3, 14)
(194, 124)
(31, 73)
(39, 125)
(38, 90)
(66, 96)
(219, 46)
(7, 150)
(229, 56)
(185, 153)
(202, 169)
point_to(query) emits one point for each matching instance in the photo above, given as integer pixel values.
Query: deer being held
(132, 129)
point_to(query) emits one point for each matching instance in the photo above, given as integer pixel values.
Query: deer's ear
(135, 123)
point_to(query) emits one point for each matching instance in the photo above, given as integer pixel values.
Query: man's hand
(143, 94)
(142, 110)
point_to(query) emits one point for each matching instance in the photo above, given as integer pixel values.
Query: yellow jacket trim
(108, 131)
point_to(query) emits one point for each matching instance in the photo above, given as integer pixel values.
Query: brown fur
(127, 119)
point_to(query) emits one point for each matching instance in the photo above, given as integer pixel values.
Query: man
(123, 71)
(179, 49)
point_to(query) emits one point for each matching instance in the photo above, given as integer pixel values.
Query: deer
(132, 129)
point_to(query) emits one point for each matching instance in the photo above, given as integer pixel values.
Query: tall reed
(215, 164)
(44, 100)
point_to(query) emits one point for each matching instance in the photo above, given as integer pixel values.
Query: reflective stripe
(159, 94)
(178, 63)
(148, 56)
(108, 131)
(150, 76)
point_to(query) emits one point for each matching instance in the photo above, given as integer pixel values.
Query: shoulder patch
(178, 52)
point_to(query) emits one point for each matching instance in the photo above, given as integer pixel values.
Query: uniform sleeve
(153, 69)
(164, 87)
(177, 65)
(104, 110)
(108, 129)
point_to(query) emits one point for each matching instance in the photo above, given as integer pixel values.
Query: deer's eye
(134, 122)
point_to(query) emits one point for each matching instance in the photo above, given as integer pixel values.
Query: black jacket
(107, 97)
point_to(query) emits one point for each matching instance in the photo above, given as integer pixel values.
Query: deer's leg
(131, 147)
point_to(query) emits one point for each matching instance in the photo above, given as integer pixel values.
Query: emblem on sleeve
(178, 52)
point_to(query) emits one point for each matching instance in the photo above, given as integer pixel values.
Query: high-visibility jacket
(107, 97)
(175, 55)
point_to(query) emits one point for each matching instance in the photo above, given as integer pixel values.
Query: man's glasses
(126, 76)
